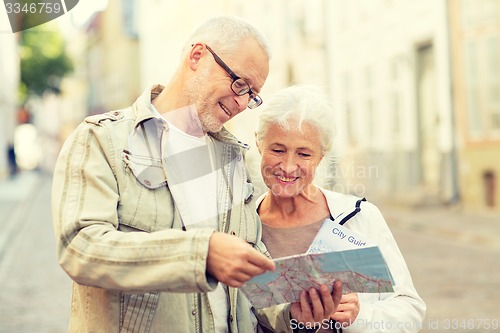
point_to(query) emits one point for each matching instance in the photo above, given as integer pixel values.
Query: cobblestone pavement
(453, 257)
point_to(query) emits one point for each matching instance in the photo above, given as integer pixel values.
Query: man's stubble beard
(208, 121)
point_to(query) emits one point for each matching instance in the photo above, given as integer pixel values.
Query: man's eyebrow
(251, 85)
(246, 78)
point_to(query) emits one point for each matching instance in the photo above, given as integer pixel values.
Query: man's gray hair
(298, 105)
(223, 34)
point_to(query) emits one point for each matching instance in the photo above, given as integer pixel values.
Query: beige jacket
(120, 238)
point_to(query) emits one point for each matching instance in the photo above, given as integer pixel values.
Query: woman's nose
(289, 165)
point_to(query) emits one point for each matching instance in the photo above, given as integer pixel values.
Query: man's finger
(260, 260)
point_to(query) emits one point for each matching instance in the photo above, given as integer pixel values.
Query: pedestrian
(11, 156)
(295, 132)
(153, 208)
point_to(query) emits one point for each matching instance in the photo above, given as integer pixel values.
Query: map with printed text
(362, 270)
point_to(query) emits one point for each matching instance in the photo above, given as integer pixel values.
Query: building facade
(475, 41)
(113, 57)
(9, 74)
(390, 74)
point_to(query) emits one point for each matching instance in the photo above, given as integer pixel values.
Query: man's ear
(196, 53)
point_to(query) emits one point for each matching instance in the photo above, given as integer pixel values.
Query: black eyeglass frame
(255, 99)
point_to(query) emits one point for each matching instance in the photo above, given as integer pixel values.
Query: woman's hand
(348, 310)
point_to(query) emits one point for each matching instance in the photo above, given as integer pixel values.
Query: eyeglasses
(239, 86)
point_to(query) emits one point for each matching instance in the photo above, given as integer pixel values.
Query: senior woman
(294, 134)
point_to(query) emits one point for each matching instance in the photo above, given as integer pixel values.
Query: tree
(44, 61)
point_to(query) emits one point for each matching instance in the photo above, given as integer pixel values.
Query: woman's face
(290, 158)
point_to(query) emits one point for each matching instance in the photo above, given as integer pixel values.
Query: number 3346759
(33, 8)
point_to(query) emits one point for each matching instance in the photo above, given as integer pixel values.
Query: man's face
(210, 87)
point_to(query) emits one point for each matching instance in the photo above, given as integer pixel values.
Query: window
(482, 65)
(478, 12)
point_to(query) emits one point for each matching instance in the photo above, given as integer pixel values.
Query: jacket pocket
(137, 312)
(147, 170)
(145, 201)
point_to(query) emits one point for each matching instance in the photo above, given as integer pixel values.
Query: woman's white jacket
(400, 311)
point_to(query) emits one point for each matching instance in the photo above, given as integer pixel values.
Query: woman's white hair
(224, 33)
(298, 105)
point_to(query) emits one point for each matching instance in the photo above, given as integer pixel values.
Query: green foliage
(44, 61)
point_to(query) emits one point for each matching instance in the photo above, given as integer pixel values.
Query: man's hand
(317, 307)
(348, 310)
(233, 262)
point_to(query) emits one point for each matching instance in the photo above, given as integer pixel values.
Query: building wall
(75, 87)
(391, 81)
(113, 58)
(480, 190)
(475, 39)
(9, 82)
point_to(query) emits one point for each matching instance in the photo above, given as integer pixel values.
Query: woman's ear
(257, 142)
(321, 158)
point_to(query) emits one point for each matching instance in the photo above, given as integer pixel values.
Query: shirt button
(147, 182)
(193, 312)
(231, 318)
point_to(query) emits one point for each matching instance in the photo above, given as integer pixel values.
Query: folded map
(361, 269)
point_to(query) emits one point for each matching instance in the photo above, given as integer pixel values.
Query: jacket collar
(143, 107)
(340, 205)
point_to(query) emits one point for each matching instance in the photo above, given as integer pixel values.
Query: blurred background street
(416, 90)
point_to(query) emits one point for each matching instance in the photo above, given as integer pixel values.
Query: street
(454, 261)
(453, 258)
(36, 293)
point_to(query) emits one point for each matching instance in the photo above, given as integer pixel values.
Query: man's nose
(242, 102)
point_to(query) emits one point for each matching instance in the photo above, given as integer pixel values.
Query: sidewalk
(36, 292)
(453, 258)
(453, 223)
(15, 195)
